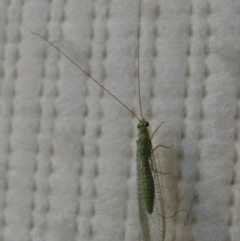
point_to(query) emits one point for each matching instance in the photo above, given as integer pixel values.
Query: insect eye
(147, 124)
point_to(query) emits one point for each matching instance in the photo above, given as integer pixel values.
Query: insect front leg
(156, 130)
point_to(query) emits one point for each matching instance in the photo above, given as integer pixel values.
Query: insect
(150, 194)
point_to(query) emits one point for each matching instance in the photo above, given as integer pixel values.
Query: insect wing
(152, 225)
(158, 209)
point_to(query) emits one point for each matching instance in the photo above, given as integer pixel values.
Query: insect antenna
(86, 73)
(138, 56)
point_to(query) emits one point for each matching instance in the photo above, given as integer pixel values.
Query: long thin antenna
(138, 67)
(86, 74)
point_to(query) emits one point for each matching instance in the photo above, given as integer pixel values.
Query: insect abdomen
(147, 186)
(146, 178)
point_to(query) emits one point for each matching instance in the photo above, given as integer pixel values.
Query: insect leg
(152, 162)
(156, 130)
(161, 146)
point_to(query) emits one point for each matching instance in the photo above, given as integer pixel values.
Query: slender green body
(144, 146)
(150, 196)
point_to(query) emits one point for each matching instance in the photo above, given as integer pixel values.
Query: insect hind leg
(154, 170)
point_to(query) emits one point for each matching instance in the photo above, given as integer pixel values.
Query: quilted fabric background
(67, 148)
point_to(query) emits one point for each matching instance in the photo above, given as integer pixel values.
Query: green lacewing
(150, 193)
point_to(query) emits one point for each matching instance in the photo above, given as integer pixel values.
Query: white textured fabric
(67, 148)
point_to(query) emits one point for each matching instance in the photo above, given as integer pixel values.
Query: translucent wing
(153, 225)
